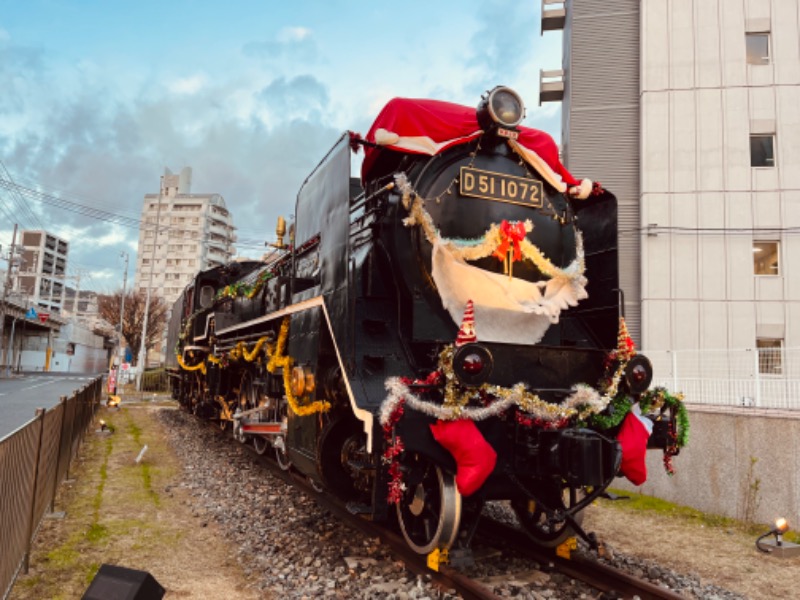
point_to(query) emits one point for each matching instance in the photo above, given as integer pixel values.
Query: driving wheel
(429, 511)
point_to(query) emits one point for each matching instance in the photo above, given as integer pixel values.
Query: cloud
(303, 96)
(290, 35)
(513, 47)
(101, 130)
(296, 45)
(188, 85)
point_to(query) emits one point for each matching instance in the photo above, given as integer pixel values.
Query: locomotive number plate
(501, 187)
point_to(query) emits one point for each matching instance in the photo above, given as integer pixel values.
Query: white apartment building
(689, 111)
(181, 234)
(43, 270)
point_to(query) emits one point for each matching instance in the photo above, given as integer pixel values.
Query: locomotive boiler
(441, 333)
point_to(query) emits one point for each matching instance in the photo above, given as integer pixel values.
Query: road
(21, 396)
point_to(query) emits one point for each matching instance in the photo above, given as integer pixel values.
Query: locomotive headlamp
(303, 381)
(638, 374)
(473, 364)
(501, 107)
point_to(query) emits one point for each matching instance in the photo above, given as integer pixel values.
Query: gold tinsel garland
(486, 245)
(276, 360)
(198, 367)
(583, 402)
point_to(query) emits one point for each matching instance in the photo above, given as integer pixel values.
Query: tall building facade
(181, 233)
(689, 111)
(43, 270)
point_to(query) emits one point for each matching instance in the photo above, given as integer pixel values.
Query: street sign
(125, 366)
(43, 317)
(31, 314)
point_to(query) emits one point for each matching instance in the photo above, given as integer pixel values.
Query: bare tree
(133, 319)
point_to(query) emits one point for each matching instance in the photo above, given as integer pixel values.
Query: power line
(104, 215)
(23, 210)
(656, 230)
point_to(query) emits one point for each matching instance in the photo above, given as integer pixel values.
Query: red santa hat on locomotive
(424, 126)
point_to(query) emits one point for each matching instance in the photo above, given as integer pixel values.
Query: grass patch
(96, 533)
(649, 504)
(91, 571)
(147, 478)
(134, 430)
(64, 556)
(117, 512)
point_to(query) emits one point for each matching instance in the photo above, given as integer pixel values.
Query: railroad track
(613, 582)
(580, 567)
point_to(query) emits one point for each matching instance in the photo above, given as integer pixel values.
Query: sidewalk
(131, 515)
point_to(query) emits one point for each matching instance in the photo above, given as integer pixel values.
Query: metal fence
(753, 377)
(155, 381)
(34, 459)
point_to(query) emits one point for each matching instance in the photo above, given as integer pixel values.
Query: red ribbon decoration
(511, 234)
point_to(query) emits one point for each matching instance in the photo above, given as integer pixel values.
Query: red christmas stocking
(475, 457)
(633, 436)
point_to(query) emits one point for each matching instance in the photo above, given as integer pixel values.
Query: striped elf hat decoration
(466, 334)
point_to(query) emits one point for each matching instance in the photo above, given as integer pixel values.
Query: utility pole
(122, 315)
(143, 349)
(77, 294)
(6, 285)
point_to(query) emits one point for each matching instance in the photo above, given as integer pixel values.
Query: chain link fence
(34, 459)
(752, 377)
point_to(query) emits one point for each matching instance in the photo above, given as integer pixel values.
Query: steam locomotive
(441, 333)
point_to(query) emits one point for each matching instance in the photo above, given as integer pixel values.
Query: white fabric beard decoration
(507, 309)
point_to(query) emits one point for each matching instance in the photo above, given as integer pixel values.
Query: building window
(765, 258)
(757, 48)
(770, 356)
(762, 150)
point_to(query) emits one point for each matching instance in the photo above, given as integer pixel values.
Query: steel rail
(602, 577)
(445, 578)
(596, 574)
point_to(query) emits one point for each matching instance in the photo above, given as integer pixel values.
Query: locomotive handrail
(230, 342)
(363, 199)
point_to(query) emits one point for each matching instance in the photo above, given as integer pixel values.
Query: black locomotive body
(427, 340)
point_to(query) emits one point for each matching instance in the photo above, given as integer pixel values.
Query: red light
(473, 364)
(639, 373)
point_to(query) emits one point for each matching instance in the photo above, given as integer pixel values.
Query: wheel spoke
(429, 512)
(539, 524)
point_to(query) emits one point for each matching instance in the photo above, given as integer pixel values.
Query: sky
(98, 98)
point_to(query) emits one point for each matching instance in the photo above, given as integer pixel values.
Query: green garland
(650, 401)
(616, 410)
(241, 289)
(654, 399)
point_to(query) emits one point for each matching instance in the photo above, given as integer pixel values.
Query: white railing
(753, 377)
